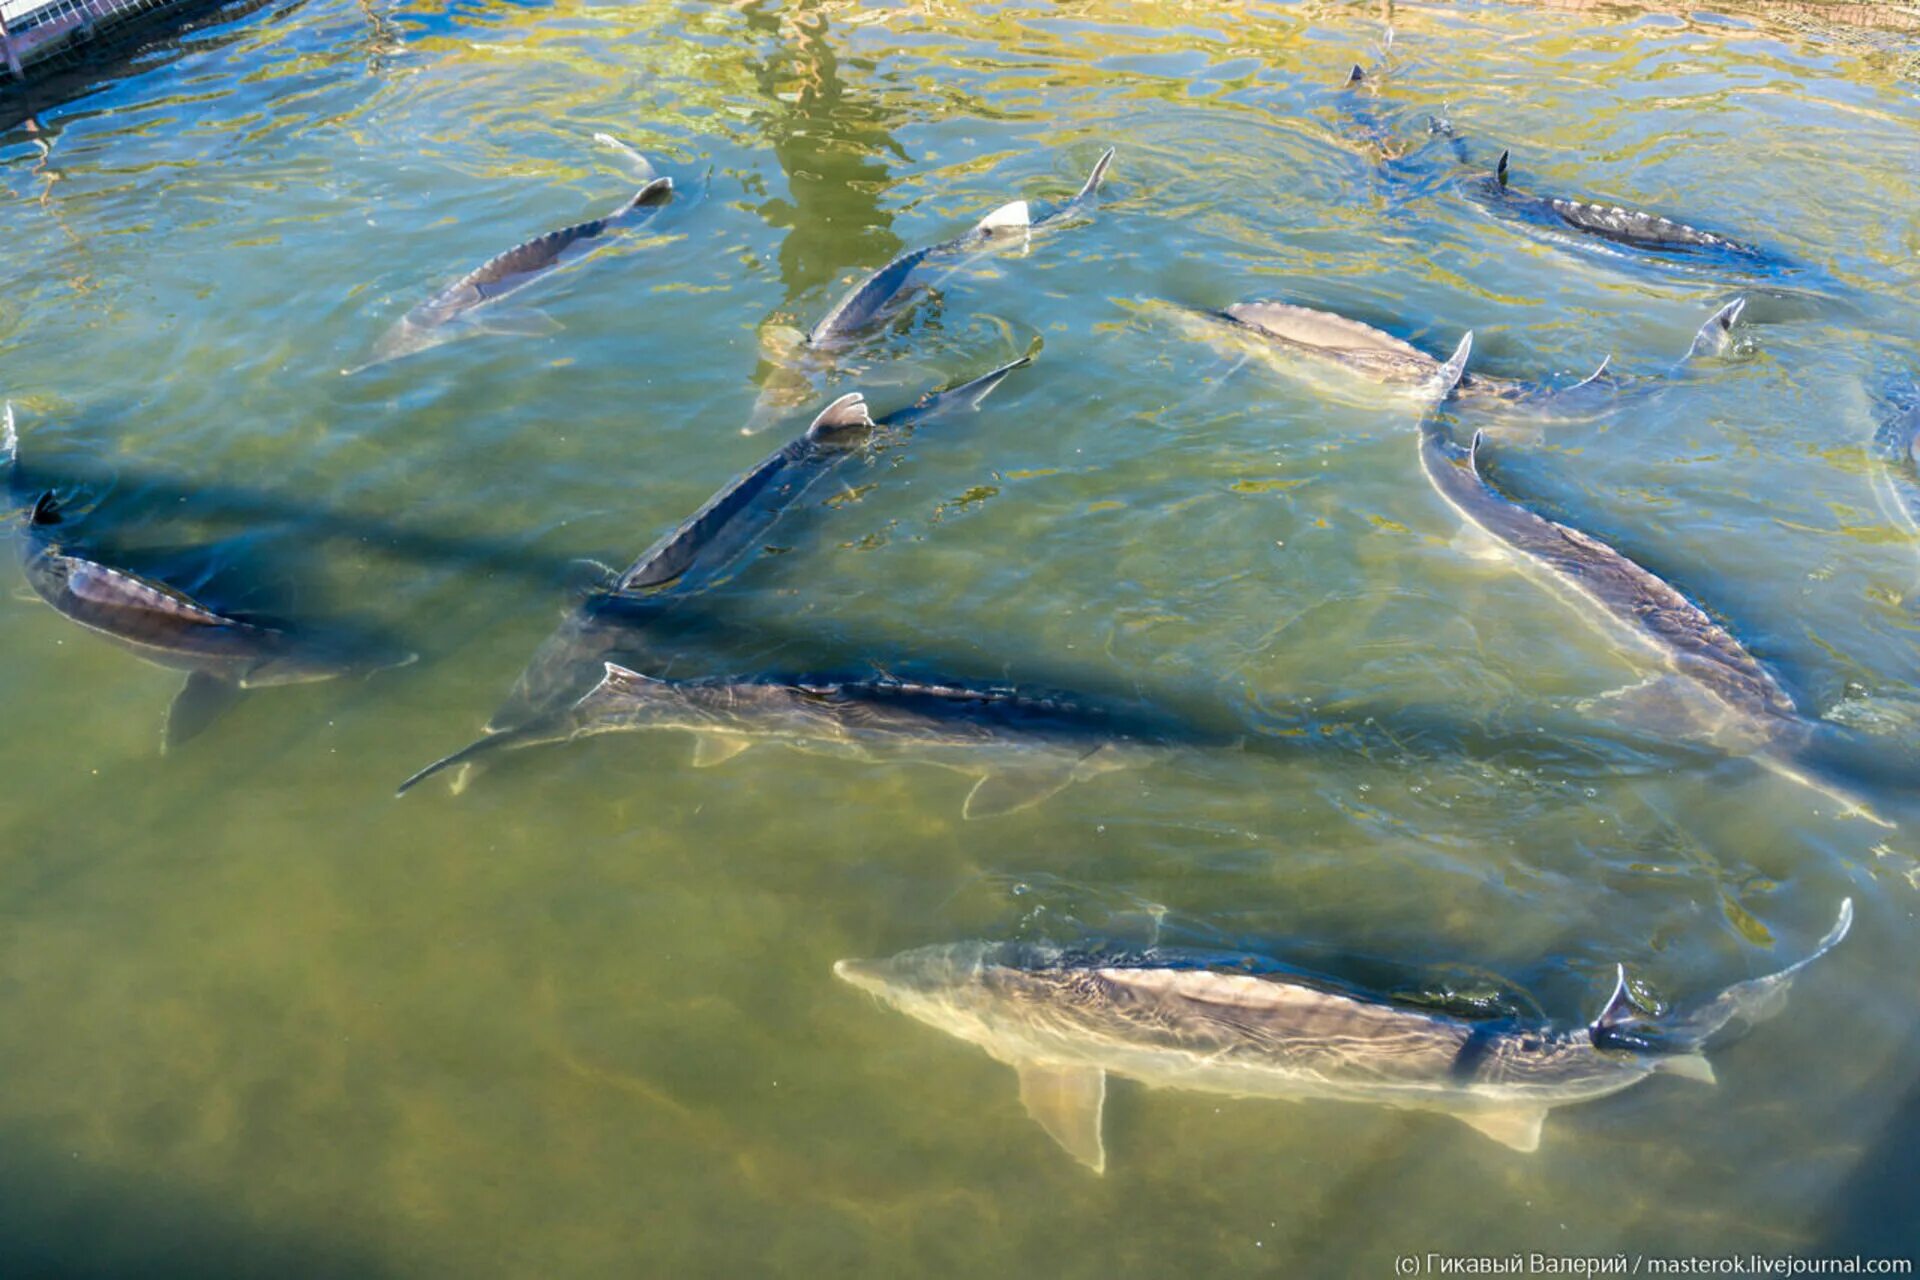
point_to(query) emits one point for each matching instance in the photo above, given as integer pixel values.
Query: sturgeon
(221, 654)
(696, 553)
(1616, 224)
(459, 307)
(1718, 691)
(1020, 748)
(1067, 1019)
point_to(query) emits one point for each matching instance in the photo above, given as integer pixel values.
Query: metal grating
(33, 31)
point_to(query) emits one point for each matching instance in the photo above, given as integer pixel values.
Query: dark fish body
(1616, 224)
(693, 555)
(220, 654)
(428, 324)
(1021, 748)
(1065, 1020)
(1644, 606)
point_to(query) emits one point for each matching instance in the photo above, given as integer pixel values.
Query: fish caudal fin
(1099, 175)
(638, 167)
(201, 701)
(1515, 1127)
(1068, 1102)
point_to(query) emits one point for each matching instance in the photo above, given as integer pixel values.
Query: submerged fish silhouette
(467, 304)
(222, 655)
(1065, 1020)
(1719, 691)
(1020, 748)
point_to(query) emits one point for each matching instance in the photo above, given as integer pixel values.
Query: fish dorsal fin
(710, 749)
(848, 413)
(1595, 376)
(1448, 375)
(1716, 335)
(1356, 75)
(1015, 215)
(1473, 452)
(1068, 1102)
(659, 191)
(9, 438)
(1619, 1008)
(618, 679)
(1500, 170)
(199, 703)
(46, 511)
(1516, 1127)
(1098, 176)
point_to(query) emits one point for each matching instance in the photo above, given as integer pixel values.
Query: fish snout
(864, 974)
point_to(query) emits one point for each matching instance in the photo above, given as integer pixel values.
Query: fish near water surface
(695, 554)
(1718, 692)
(1020, 748)
(798, 360)
(222, 655)
(1612, 223)
(1066, 1020)
(469, 304)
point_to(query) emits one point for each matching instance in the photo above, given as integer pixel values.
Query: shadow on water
(62, 1216)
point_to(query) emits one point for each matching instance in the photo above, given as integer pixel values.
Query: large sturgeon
(1720, 692)
(466, 304)
(221, 654)
(1065, 1020)
(1020, 748)
(696, 553)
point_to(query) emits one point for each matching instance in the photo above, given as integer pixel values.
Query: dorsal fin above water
(1619, 1008)
(1448, 376)
(1356, 75)
(1010, 216)
(46, 511)
(1500, 170)
(848, 413)
(9, 438)
(659, 191)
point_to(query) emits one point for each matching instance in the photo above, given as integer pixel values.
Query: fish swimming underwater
(695, 554)
(1065, 1020)
(468, 304)
(1633, 228)
(798, 360)
(1305, 342)
(1021, 749)
(222, 655)
(1719, 692)
(1896, 445)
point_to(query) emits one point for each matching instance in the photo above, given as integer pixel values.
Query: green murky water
(257, 1016)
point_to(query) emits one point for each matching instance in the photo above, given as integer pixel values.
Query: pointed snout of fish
(867, 975)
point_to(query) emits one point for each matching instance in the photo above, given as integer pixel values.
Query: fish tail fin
(1752, 1001)
(638, 166)
(463, 757)
(968, 395)
(1099, 175)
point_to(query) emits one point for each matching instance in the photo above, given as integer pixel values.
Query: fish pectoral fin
(1009, 791)
(1668, 706)
(1688, 1066)
(710, 749)
(1068, 1102)
(199, 703)
(522, 322)
(1516, 1127)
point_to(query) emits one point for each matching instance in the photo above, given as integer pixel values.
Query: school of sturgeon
(1067, 1018)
